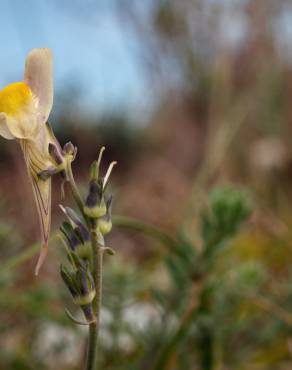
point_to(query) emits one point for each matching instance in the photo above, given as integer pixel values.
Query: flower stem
(75, 191)
(97, 253)
(97, 257)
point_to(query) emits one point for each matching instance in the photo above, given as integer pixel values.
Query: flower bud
(86, 289)
(76, 234)
(77, 239)
(75, 221)
(95, 206)
(56, 154)
(105, 222)
(70, 150)
(81, 286)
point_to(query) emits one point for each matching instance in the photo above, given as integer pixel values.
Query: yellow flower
(24, 110)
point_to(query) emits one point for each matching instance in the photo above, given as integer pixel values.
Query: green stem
(97, 256)
(172, 345)
(75, 191)
(146, 229)
(92, 347)
(97, 253)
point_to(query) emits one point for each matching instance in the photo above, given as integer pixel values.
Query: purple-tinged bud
(95, 206)
(46, 174)
(70, 150)
(78, 239)
(56, 154)
(81, 286)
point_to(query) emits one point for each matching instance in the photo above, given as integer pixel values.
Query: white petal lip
(25, 127)
(4, 130)
(38, 75)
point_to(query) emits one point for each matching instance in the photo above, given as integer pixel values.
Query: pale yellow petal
(22, 127)
(4, 130)
(39, 76)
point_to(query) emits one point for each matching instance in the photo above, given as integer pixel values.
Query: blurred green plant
(196, 307)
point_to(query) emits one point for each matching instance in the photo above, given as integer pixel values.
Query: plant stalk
(97, 258)
(97, 254)
(75, 191)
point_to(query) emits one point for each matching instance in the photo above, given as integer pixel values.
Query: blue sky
(95, 50)
(90, 47)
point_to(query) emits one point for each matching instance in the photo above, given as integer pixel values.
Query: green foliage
(228, 208)
(187, 303)
(194, 308)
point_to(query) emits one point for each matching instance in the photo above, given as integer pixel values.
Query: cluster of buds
(98, 204)
(59, 158)
(76, 236)
(78, 278)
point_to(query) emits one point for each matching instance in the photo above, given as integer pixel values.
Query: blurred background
(190, 97)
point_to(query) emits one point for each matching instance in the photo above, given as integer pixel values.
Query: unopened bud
(95, 206)
(75, 221)
(77, 239)
(104, 226)
(80, 284)
(105, 222)
(56, 154)
(46, 174)
(70, 150)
